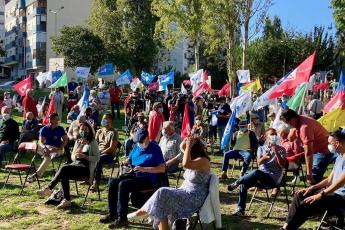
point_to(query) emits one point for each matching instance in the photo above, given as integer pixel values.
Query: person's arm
(337, 184)
(308, 154)
(262, 159)
(281, 160)
(113, 143)
(64, 143)
(70, 132)
(199, 164)
(158, 169)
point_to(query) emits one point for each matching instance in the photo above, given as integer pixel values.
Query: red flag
(226, 90)
(300, 75)
(320, 86)
(337, 101)
(22, 86)
(202, 87)
(50, 111)
(153, 86)
(186, 130)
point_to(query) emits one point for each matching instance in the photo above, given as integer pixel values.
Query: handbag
(126, 173)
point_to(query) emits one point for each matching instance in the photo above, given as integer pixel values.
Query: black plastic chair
(324, 221)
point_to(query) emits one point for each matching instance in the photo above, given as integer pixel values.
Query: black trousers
(68, 147)
(66, 173)
(300, 211)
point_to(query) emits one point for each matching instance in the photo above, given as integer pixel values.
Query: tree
(79, 47)
(339, 17)
(127, 29)
(179, 19)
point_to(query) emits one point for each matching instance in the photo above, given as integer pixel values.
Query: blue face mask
(104, 122)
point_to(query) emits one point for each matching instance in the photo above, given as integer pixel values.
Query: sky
(303, 15)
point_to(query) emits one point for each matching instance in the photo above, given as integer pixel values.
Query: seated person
(327, 194)
(107, 139)
(74, 113)
(91, 118)
(30, 128)
(43, 112)
(170, 145)
(271, 160)
(146, 159)
(141, 123)
(190, 196)
(52, 140)
(244, 144)
(85, 156)
(198, 129)
(9, 132)
(73, 135)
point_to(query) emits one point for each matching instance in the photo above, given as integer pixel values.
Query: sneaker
(107, 219)
(119, 223)
(296, 180)
(232, 187)
(64, 204)
(44, 192)
(31, 179)
(238, 213)
(137, 215)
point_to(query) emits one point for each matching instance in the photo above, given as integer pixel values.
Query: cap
(140, 135)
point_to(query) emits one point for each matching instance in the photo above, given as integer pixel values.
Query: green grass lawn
(29, 211)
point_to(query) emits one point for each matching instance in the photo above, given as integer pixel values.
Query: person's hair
(91, 135)
(109, 115)
(198, 150)
(53, 115)
(88, 109)
(339, 136)
(288, 114)
(169, 124)
(270, 129)
(198, 117)
(283, 128)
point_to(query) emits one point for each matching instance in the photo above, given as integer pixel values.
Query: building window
(1, 13)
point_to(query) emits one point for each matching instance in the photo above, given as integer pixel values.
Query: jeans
(4, 149)
(221, 130)
(237, 154)
(115, 105)
(320, 164)
(300, 211)
(118, 194)
(67, 172)
(105, 158)
(255, 178)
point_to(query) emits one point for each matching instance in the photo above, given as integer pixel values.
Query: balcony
(11, 60)
(40, 10)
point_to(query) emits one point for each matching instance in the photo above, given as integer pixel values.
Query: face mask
(198, 122)
(104, 122)
(273, 139)
(143, 145)
(332, 149)
(160, 110)
(84, 134)
(6, 116)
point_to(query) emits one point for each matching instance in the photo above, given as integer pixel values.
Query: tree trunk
(246, 13)
(230, 62)
(197, 54)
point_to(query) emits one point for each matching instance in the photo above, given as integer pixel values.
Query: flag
(83, 103)
(146, 78)
(337, 101)
(183, 89)
(125, 78)
(277, 122)
(82, 72)
(186, 129)
(55, 76)
(226, 90)
(196, 78)
(341, 84)
(243, 76)
(295, 102)
(254, 86)
(42, 105)
(229, 129)
(332, 121)
(167, 78)
(61, 82)
(242, 103)
(107, 69)
(203, 87)
(300, 75)
(321, 86)
(136, 83)
(43, 77)
(22, 86)
(50, 111)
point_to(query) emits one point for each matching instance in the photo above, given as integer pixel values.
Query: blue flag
(146, 78)
(107, 69)
(167, 78)
(56, 75)
(229, 129)
(341, 84)
(125, 78)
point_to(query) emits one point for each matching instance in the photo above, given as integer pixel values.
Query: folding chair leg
(202, 228)
(271, 205)
(38, 181)
(8, 176)
(178, 178)
(322, 220)
(251, 200)
(76, 187)
(26, 178)
(86, 195)
(99, 193)
(286, 198)
(20, 177)
(233, 168)
(111, 175)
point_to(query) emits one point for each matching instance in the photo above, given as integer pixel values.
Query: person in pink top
(156, 120)
(314, 138)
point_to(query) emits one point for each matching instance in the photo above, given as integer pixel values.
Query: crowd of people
(154, 146)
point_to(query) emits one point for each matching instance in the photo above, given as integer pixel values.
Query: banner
(332, 121)
(82, 72)
(196, 78)
(243, 76)
(106, 70)
(146, 78)
(136, 83)
(24, 85)
(242, 103)
(125, 78)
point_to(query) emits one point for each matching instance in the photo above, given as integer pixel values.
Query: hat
(140, 135)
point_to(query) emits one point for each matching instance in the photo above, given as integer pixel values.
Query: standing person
(156, 120)
(223, 116)
(29, 104)
(315, 107)
(58, 101)
(257, 126)
(115, 95)
(327, 194)
(314, 138)
(8, 100)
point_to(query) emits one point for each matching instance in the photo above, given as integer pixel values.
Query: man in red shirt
(115, 95)
(314, 138)
(29, 104)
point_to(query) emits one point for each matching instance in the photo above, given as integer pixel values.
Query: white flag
(183, 89)
(82, 72)
(243, 76)
(135, 84)
(195, 79)
(277, 122)
(242, 103)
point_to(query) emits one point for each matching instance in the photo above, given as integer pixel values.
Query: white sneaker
(64, 204)
(136, 216)
(296, 180)
(44, 192)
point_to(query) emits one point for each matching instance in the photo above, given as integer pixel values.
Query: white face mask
(273, 139)
(160, 110)
(142, 145)
(6, 116)
(332, 149)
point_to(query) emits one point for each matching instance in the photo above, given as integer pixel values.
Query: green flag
(295, 102)
(61, 82)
